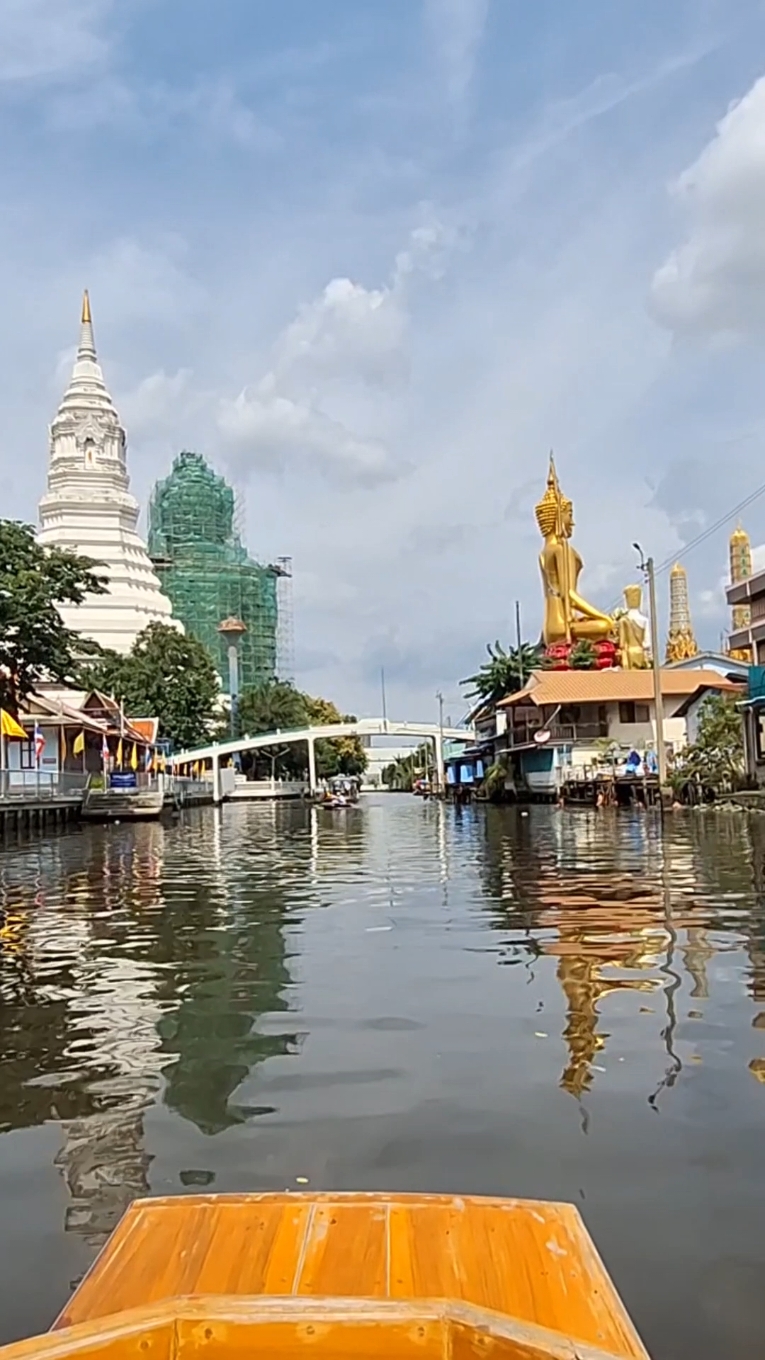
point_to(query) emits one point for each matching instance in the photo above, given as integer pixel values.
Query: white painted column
(439, 762)
(217, 791)
(312, 784)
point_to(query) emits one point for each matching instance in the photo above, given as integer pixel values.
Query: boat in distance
(343, 1276)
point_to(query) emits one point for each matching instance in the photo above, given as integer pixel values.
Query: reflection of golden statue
(633, 632)
(568, 617)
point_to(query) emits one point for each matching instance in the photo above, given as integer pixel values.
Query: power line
(711, 529)
(705, 534)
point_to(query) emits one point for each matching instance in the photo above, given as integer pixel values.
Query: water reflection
(614, 900)
(411, 996)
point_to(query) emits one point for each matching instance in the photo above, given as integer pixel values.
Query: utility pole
(440, 751)
(384, 704)
(647, 567)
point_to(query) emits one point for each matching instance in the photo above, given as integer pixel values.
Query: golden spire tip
(86, 317)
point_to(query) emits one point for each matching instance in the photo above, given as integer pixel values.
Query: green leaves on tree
(35, 582)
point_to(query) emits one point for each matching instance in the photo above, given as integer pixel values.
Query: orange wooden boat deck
(498, 1268)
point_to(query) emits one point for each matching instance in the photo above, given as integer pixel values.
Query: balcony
(523, 733)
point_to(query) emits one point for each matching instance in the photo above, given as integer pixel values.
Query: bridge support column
(312, 782)
(439, 752)
(217, 790)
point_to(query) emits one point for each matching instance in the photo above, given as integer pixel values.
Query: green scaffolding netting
(207, 572)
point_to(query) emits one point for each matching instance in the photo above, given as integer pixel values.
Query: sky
(374, 260)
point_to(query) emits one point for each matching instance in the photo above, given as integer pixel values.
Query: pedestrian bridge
(220, 752)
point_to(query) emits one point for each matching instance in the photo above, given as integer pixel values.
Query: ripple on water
(561, 1005)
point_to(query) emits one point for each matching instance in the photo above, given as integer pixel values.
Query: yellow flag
(9, 726)
(134, 758)
(118, 757)
(196, 768)
(79, 744)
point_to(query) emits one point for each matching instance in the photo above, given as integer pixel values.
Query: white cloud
(51, 38)
(272, 431)
(347, 338)
(714, 282)
(154, 405)
(457, 27)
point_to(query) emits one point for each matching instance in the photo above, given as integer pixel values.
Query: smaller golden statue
(633, 632)
(568, 616)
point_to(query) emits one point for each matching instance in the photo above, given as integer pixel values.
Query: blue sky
(374, 259)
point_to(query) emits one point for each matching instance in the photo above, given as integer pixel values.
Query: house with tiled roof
(580, 718)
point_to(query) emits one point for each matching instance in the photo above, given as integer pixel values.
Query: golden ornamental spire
(740, 557)
(86, 317)
(681, 642)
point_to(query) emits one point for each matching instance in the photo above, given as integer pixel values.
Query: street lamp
(231, 629)
(647, 569)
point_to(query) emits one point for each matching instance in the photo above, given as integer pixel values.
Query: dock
(42, 804)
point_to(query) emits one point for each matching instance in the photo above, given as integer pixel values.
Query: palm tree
(504, 673)
(273, 707)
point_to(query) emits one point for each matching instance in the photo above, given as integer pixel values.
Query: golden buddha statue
(568, 616)
(633, 632)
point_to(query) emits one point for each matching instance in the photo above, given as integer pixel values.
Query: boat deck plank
(529, 1260)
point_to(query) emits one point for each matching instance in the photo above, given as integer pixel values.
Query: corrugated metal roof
(593, 687)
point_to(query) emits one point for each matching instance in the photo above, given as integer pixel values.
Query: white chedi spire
(88, 507)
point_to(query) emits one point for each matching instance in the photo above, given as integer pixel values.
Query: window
(630, 713)
(27, 755)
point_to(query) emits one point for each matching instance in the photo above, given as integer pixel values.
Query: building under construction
(196, 547)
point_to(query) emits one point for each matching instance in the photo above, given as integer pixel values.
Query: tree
(279, 706)
(402, 772)
(583, 656)
(504, 673)
(276, 706)
(337, 755)
(35, 581)
(167, 675)
(715, 760)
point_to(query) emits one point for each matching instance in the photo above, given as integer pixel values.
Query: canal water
(565, 1005)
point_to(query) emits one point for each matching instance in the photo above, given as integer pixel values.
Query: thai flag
(104, 749)
(39, 745)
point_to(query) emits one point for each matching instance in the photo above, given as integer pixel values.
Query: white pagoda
(88, 507)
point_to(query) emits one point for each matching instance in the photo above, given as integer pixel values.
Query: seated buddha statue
(568, 616)
(634, 632)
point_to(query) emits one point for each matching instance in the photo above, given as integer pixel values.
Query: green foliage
(166, 675)
(495, 778)
(273, 707)
(504, 673)
(339, 755)
(583, 656)
(34, 582)
(716, 759)
(279, 706)
(402, 772)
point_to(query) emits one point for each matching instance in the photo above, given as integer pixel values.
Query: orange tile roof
(146, 728)
(582, 687)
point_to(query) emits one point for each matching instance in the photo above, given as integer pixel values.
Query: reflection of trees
(221, 950)
(224, 988)
(128, 954)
